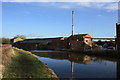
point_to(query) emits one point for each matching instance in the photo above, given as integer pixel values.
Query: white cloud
(65, 6)
(60, 0)
(112, 6)
(33, 35)
(100, 4)
(84, 4)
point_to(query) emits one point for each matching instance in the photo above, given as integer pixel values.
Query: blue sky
(53, 19)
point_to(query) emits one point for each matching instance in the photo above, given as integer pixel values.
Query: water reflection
(82, 59)
(72, 69)
(71, 65)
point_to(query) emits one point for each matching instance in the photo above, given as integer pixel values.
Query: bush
(5, 41)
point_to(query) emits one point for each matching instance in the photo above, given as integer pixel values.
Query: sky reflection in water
(70, 65)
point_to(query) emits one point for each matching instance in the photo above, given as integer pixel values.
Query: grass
(26, 65)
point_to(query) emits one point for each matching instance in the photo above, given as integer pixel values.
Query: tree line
(7, 40)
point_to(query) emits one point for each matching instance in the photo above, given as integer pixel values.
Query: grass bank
(24, 64)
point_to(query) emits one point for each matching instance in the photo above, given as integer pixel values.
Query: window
(86, 40)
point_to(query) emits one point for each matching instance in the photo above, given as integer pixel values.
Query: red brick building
(80, 42)
(42, 43)
(118, 36)
(58, 43)
(76, 42)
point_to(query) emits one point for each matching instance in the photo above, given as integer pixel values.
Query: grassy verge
(23, 64)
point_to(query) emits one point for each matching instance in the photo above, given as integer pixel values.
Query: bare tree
(20, 36)
(5, 40)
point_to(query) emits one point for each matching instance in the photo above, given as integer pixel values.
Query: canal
(74, 65)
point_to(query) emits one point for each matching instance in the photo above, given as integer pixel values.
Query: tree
(20, 36)
(99, 43)
(5, 41)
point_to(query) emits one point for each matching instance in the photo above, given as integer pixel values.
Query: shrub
(5, 41)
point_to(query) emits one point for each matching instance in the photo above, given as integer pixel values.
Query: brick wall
(76, 45)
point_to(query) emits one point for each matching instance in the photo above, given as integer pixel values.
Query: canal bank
(18, 63)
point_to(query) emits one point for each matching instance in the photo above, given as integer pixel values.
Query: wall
(89, 40)
(26, 46)
(118, 36)
(47, 44)
(76, 45)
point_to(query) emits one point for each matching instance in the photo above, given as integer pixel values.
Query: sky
(54, 19)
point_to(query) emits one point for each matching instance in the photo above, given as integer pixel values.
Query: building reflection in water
(76, 58)
(80, 59)
(86, 60)
(72, 69)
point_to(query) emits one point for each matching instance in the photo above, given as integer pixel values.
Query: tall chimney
(72, 23)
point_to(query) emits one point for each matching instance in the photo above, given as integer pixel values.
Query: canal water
(75, 65)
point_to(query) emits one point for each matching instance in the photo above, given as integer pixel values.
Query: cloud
(33, 35)
(113, 6)
(109, 5)
(100, 5)
(60, 0)
(65, 6)
(84, 4)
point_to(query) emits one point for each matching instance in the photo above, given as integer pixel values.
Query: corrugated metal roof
(78, 35)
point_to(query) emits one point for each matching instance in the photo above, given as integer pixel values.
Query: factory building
(74, 42)
(80, 42)
(41, 43)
